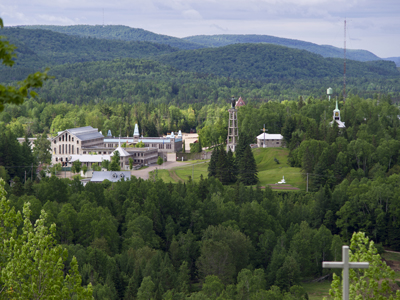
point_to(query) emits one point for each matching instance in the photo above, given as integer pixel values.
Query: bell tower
(233, 131)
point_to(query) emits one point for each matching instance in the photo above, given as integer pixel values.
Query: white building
(72, 141)
(336, 117)
(266, 140)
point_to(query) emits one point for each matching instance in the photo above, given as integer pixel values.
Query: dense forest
(118, 32)
(219, 40)
(214, 238)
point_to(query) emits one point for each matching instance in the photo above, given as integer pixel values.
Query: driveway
(144, 173)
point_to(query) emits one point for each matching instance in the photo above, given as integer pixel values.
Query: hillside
(324, 50)
(120, 32)
(395, 59)
(270, 172)
(39, 48)
(262, 61)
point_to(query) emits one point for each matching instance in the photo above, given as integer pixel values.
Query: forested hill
(261, 61)
(324, 50)
(120, 32)
(44, 48)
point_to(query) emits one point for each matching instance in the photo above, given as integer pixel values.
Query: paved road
(144, 173)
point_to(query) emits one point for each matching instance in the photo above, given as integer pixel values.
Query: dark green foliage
(119, 32)
(247, 167)
(263, 61)
(212, 166)
(324, 50)
(43, 48)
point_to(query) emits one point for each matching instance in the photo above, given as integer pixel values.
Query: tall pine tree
(248, 167)
(212, 166)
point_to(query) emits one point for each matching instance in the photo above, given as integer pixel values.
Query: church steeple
(336, 112)
(336, 116)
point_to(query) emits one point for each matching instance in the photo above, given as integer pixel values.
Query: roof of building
(81, 129)
(89, 136)
(268, 136)
(112, 176)
(90, 158)
(122, 151)
(340, 123)
(240, 102)
(84, 133)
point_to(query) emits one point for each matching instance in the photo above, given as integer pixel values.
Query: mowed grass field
(317, 290)
(269, 172)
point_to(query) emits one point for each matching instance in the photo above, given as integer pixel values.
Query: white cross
(345, 265)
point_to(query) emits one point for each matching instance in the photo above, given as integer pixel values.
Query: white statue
(282, 181)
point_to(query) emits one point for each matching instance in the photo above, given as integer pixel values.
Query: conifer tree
(212, 166)
(222, 166)
(232, 170)
(248, 168)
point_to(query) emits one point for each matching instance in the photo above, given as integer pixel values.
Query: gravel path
(144, 173)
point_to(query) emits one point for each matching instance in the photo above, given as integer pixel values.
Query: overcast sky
(372, 25)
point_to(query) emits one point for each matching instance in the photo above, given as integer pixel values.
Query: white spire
(136, 131)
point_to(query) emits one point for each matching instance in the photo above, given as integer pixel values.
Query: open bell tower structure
(233, 131)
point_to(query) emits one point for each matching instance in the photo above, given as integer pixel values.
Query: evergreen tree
(248, 168)
(212, 166)
(232, 170)
(222, 166)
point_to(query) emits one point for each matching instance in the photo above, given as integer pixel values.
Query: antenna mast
(344, 67)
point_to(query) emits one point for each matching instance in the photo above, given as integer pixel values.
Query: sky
(372, 25)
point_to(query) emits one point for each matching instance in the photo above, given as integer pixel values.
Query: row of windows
(68, 149)
(65, 138)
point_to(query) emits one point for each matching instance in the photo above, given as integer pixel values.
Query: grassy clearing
(197, 169)
(269, 172)
(292, 177)
(317, 290)
(391, 256)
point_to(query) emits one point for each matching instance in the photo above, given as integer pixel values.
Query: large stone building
(74, 141)
(90, 147)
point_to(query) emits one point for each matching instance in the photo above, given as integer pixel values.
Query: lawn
(317, 290)
(391, 256)
(269, 172)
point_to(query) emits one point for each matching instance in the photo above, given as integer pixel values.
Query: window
(77, 150)
(59, 138)
(56, 158)
(69, 138)
(59, 149)
(73, 149)
(55, 150)
(277, 143)
(63, 149)
(63, 138)
(77, 141)
(84, 152)
(55, 141)
(72, 138)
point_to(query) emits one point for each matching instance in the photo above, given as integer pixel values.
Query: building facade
(266, 140)
(72, 141)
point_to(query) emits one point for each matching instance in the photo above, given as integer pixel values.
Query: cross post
(264, 134)
(346, 266)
